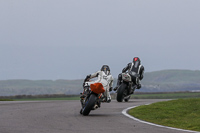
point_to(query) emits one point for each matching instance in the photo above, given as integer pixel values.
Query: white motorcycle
(127, 87)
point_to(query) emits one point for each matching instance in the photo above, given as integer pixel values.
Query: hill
(37, 87)
(158, 81)
(171, 80)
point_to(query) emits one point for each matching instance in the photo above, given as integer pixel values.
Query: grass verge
(172, 95)
(181, 113)
(39, 99)
(6, 99)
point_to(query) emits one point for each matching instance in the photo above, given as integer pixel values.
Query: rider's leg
(107, 95)
(136, 81)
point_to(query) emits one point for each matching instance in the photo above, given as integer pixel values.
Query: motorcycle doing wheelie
(127, 86)
(91, 97)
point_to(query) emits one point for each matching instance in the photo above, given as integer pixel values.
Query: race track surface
(64, 117)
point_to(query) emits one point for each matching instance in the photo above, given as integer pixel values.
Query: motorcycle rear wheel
(89, 105)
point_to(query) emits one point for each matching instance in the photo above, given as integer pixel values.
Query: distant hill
(158, 81)
(171, 80)
(37, 87)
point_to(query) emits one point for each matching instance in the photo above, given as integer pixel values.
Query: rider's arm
(126, 68)
(88, 77)
(111, 82)
(94, 74)
(141, 72)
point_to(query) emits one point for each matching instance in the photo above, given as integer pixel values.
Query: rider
(135, 67)
(105, 78)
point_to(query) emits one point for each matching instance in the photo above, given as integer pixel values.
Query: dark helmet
(105, 69)
(136, 61)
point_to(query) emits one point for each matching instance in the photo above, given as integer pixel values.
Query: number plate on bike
(126, 77)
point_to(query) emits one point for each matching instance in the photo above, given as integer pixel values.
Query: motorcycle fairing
(97, 88)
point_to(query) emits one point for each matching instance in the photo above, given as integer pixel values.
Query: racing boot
(99, 103)
(95, 106)
(108, 100)
(138, 86)
(82, 96)
(103, 98)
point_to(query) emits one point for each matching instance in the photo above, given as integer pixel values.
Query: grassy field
(6, 100)
(40, 99)
(174, 95)
(181, 113)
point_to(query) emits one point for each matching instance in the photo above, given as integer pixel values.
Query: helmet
(136, 61)
(105, 69)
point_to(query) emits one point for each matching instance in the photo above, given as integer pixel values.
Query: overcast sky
(68, 39)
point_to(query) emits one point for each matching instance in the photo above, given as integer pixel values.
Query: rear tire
(81, 112)
(120, 92)
(89, 104)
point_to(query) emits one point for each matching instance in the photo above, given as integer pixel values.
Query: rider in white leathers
(105, 78)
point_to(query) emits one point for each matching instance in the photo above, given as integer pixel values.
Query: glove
(87, 77)
(115, 88)
(110, 89)
(83, 84)
(141, 77)
(138, 86)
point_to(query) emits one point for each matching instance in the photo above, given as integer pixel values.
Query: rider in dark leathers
(135, 67)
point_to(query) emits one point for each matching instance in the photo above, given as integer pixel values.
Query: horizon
(111, 73)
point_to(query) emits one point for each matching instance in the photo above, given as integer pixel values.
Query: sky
(69, 39)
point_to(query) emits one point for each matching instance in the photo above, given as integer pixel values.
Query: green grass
(181, 113)
(40, 99)
(174, 95)
(6, 99)
(168, 95)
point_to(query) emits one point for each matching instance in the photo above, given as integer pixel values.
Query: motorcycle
(127, 86)
(91, 97)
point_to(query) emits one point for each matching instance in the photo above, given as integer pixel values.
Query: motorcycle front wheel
(120, 92)
(89, 104)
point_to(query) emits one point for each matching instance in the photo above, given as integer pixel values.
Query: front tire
(120, 92)
(89, 104)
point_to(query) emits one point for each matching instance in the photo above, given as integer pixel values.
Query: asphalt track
(64, 117)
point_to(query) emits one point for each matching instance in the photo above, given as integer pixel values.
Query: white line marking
(124, 112)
